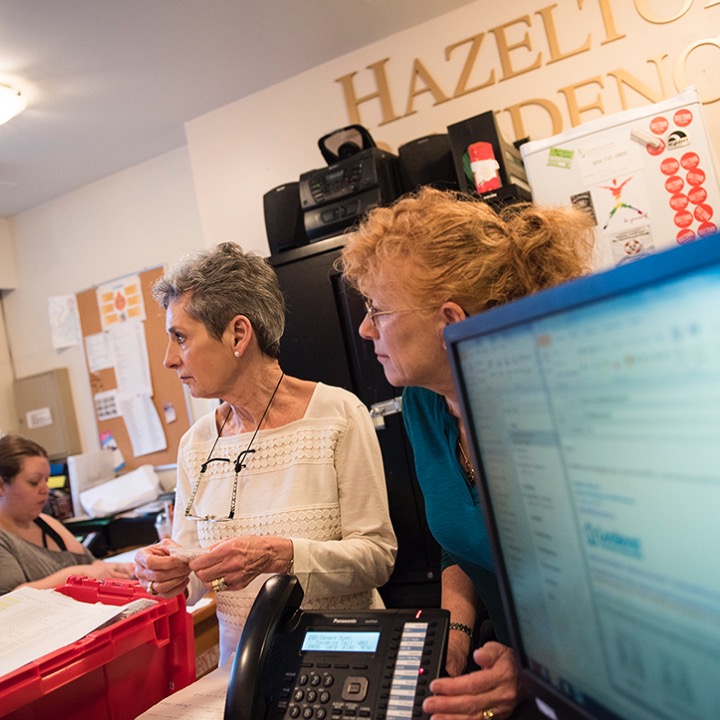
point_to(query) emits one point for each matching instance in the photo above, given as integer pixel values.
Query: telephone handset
(328, 665)
(277, 602)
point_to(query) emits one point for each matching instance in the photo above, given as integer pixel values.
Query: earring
(237, 353)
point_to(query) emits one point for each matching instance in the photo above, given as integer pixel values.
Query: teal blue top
(452, 504)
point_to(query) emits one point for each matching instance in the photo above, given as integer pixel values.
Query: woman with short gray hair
(285, 475)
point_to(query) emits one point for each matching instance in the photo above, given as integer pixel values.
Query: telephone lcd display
(340, 641)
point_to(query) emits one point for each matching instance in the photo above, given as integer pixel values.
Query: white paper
(64, 321)
(202, 700)
(40, 417)
(132, 364)
(143, 425)
(106, 405)
(98, 352)
(124, 492)
(607, 157)
(36, 622)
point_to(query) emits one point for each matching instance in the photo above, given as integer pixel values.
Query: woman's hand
(457, 653)
(101, 570)
(159, 572)
(238, 561)
(495, 687)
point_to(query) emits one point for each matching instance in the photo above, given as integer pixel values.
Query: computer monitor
(593, 411)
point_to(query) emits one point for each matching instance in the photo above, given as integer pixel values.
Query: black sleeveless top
(49, 531)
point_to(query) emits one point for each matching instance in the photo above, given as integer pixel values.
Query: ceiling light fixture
(12, 103)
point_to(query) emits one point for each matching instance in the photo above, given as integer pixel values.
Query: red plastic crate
(115, 673)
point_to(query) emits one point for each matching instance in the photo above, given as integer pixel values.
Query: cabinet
(321, 343)
(47, 414)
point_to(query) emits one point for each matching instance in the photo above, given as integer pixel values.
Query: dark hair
(13, 450)
(222, 283)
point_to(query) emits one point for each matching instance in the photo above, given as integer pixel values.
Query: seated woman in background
(285, 475)
(430, 260)
(36, 549)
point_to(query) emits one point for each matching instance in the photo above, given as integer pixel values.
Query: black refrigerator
(321, 343)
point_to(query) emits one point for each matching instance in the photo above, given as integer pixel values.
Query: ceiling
(110, 83)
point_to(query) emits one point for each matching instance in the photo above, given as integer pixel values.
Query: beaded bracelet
(462, 628)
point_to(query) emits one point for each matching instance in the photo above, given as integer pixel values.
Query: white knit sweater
(318, 481)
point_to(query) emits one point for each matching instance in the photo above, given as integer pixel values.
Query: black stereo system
(427, 161)
(335, 197)
(284, 218)
(471, 157)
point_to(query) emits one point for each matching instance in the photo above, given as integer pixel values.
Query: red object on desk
(115, 673)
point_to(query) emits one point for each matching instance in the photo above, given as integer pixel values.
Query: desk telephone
(374, 664)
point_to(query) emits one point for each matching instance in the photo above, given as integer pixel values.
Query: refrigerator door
(646, 175)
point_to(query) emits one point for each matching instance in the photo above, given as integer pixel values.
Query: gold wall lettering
(556, 55)
(611, 33)
(623, 78)
(461, 88)
(574, 108)
(680, 75)
(505, 48)
(429, 85)
(382, 94)
(647, 13)
(515, 54)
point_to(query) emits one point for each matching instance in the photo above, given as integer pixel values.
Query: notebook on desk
(593, 410)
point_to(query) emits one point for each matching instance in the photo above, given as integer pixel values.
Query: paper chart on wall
(98, 352)
(120, 300)
(107, 405)
(131, 360)
(64, 321)
(143, 424)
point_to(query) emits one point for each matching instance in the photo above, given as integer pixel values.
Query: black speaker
(484, 160)
(284, 222)
(427, 161)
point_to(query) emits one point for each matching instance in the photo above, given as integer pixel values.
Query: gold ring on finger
(219, 584)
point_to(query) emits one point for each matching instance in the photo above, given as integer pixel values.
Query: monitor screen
(593, 411)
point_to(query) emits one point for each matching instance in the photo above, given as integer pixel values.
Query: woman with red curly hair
(429, 260)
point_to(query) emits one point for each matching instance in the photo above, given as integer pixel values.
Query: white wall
(137, 219)
(8, 419)
(212, 190)
(244, 149)
(8, 279)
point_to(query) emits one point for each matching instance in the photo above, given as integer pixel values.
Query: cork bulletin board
(168, 393)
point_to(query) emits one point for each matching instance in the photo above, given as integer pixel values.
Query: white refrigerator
(646, 175)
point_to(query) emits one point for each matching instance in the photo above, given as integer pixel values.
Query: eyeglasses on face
(372, 312)
(239, 465)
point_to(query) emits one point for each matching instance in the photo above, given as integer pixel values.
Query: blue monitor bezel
(646, 271)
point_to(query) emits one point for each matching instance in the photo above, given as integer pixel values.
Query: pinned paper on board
(108, 442)
(64, 321)
(121, 300)
(142, 407)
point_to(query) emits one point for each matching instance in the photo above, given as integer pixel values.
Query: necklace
(238, 461)
(467, 465)
(239, 464)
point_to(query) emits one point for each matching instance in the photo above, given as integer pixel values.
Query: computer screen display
(593, 411)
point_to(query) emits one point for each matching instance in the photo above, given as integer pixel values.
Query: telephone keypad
(350, 688)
